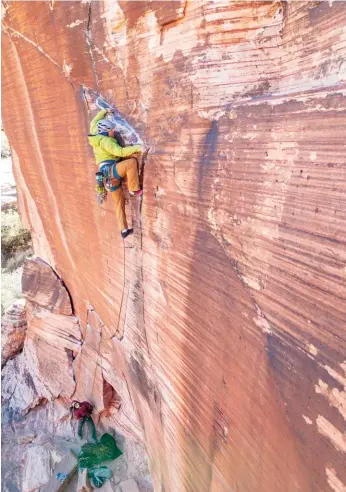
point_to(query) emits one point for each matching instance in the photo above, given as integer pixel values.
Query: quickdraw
(100, 189)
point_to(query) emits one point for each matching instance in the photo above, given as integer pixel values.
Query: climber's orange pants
(126, 169)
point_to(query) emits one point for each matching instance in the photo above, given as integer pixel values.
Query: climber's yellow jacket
(107, 148)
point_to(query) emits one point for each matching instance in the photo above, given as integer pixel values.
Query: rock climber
(82, 412)
(108, 153)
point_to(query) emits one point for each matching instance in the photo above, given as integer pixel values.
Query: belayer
(108, 153)
(82, 412)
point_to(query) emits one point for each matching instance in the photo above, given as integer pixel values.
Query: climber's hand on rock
(109, 110)
(138, 148)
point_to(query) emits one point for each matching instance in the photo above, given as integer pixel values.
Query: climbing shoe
(126, 233)
(136, 193)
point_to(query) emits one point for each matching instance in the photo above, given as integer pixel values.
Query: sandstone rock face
(68, 466)
(220, 325)
(43, 371)
(13, 329)
(129, 486)
(34, 443)
(41, 286)
(37, 388)
(36, 468)
(84, 482)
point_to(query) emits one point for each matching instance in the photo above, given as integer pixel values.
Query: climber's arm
(111, 146)
(100, 115)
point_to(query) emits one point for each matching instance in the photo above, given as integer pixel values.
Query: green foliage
(11, 288)
(5, 146)
(15, 247)
(15, 240)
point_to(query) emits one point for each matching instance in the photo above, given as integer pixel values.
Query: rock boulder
(13, 329)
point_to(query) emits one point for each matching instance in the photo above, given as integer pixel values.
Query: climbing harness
(104, 178)
(109, 170)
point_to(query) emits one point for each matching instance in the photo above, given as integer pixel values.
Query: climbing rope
(123, 291)
(119, 317)
(116, 335)
(96, 363)
(102, 338)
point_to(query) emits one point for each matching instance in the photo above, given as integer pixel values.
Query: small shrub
(5, 229)
(17, 260)
(15, 247)
(5, 146)
(8, 208)
(11, 245)
(11, 288)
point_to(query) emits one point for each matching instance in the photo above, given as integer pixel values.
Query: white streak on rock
(13, 33)
(251, 283)
(40, 160)
(261, 321)
(75, 24)
(334, 482)
(340, 379)
(67, 68)
(336, 437)
(100, 52)
(312, 349)
(335, 397)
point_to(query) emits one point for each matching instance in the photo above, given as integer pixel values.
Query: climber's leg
(91, 427)
(80, 427)
(129, 169)
(119, 200)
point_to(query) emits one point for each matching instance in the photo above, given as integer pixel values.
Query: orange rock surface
(43, 288)
(220, 325)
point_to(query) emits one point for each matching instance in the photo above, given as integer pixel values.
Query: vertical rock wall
(221, 323)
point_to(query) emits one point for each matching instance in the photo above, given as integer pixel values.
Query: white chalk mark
(67, 68)
(312, 349)
(100, 52)
(75, 24)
